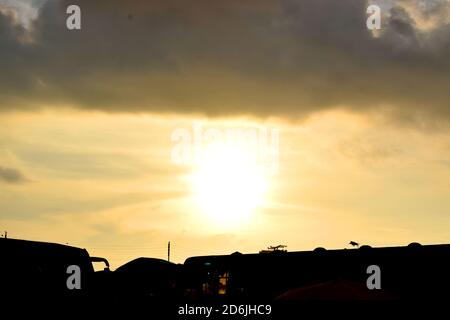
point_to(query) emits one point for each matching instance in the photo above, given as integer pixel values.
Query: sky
(88, 121)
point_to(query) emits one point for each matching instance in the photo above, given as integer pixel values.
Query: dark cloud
(11, 175)
(259, 57)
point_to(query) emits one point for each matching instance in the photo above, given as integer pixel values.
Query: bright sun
(228, 184)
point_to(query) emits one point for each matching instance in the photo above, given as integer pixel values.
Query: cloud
(23, 11)
(11, 175)
(284, 58)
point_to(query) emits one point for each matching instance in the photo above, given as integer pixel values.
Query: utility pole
(168, 251)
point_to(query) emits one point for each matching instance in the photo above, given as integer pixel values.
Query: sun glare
(229, 185)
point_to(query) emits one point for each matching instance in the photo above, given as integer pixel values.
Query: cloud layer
(282, 58)
(11, 175)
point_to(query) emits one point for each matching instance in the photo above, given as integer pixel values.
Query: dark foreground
(365, 282)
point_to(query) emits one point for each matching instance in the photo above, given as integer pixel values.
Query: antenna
(278, 248)
(168, 252)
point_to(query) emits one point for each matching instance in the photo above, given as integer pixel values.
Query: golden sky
(106, 182)
(87, 120)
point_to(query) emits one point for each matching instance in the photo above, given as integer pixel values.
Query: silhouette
(354, 244)
(31, 269)
(278, 248)
(149, 277)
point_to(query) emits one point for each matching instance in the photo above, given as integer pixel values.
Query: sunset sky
(87, 121)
